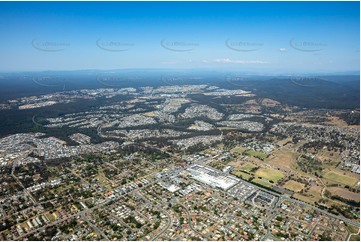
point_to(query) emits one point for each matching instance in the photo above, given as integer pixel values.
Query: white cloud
(283, 50)
(229, 61)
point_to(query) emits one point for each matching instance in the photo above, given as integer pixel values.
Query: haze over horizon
(254, 37)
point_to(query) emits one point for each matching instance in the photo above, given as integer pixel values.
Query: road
(169, 218)
(95, 228)
(18, 181)
(312, 230)
(190, 221)
(36, 123)
(169, 222)
(349, 236)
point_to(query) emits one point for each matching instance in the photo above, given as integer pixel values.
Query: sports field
(339, 178)
(293, 186)
(269, 174)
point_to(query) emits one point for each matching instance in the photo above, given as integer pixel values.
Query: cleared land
(238, 149)
(269, 174)
(314, 193)
(179, 101)
(283, 158)
(248, 167)
(242, 175)
(209, 151)
(311, 196)
(339, 178)
(294, 186)
(355, 237)
(150, 114)
(236, 164)
(304, 198)
(256, 154)
(262, 182)
(342, 192)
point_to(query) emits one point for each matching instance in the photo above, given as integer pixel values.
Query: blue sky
(245, 36)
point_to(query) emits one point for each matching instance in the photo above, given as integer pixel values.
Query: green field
(355, 237)
(238, 150)
(294, 186)
(338, 178)
(248, 167)
(262, 182)
(269, 174)
(256, 154)
(352, 229)
(242, 175)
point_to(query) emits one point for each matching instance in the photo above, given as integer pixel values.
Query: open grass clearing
(248, 167)
(325, 155)
(355, 237)
(340, 178)
(209, 151)
(177, 101)
(262, 182)
(238, 150)
(50, 217)
(303, 198)
(241, 174)
(352, 229)
(344, 193)
(293, 186)
(315, 192)
(269, 174)
(283, 158)
(256, 154)
(311, 196)
(236, 164)
(150, 114)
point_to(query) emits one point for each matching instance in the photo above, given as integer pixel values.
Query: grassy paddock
(339, 178)
(269, 174)
(262, 182)
(344, 193)
(294, 186)
(241, 174)
(248, 167)
(238, 150)
(256, 154)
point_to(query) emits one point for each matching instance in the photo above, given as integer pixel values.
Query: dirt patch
(336, 121)
(236, 164)
(311, 196)
(342, 192)
(283, 159)
(294, 186)
(269, 102)
(251, 102)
